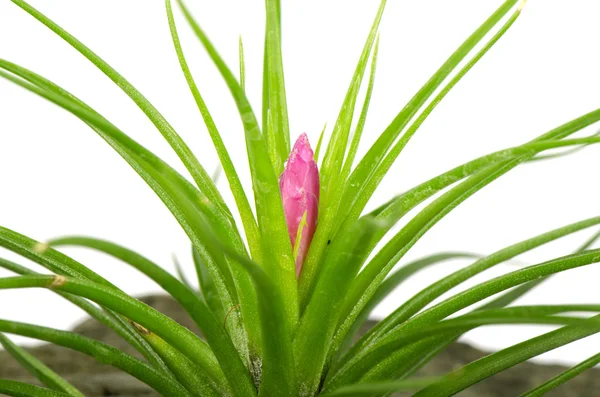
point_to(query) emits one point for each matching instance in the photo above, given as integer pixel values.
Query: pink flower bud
(299, 185)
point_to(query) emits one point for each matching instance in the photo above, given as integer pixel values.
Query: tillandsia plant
(302, 272)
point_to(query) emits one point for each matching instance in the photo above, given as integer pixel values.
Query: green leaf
(337, 147)
(367, 389)
(167, 187)
(243, 285)
(563, 377)
(541, 315)
(130, 150)
(181, 274)
(516, 293)
(278, 135)
(208, 288)
(370, 181)
(19, 389)
(242, 65)
(202, 315)
(376, 153)
(563, 153)
(173, 333)
(472, 373)
(277, 250)
(63, 265)
(408, 360)
(419, 301)
(437, 289)
(38, 369)
(400, 205)
(101, 352)
(190, 161)
(389, 285)
(109, 319)
(456, 303)
(319, 143)
(318, 324)
(363, 116)
(377, 269)
(278, 372)
(195, 381)
(237, 190)
(331, 181)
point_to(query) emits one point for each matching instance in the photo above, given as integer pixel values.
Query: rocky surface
(95, 379)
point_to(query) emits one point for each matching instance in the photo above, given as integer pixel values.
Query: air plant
(304, 269)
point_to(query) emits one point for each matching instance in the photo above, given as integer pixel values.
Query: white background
(57, 177)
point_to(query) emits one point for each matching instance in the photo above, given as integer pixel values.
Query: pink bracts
(299, 185)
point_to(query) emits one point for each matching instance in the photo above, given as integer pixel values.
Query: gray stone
(95, 379)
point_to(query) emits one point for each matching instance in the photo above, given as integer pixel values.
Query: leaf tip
(58, 281)
(139, 328)
(40, 248)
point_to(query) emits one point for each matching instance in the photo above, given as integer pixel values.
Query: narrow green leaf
(130, 150)
(244, 288)
(372, 159)
(204, 318)
(38, 368)
(375, 177)
(516, 293)
(118, 140)
(332, 184)
(186, 372)
(360, 126)
(317, 326)
(237, 190)
(472, 373)
(19, 389)
(58, 263)
(518, 315)
(461, 301)
(337, 147)
(437, 289)
(176, 335)
(181, 274)
(242, 65)
(389, 285)
(101, 352)
(563, 377)
(563, 153)
(368, 389)
(319, 143)
(208, 288)
(277, 250)
(430, 293)
(108, 319)
(400, 205)
(278, 135)
(408, 360)
(190, 161)
(368, 280)
(278, 372)
(161, 181)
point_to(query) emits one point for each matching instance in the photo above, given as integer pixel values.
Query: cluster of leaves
(286, 336)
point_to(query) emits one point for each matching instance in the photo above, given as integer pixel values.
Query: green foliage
(265, 332)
